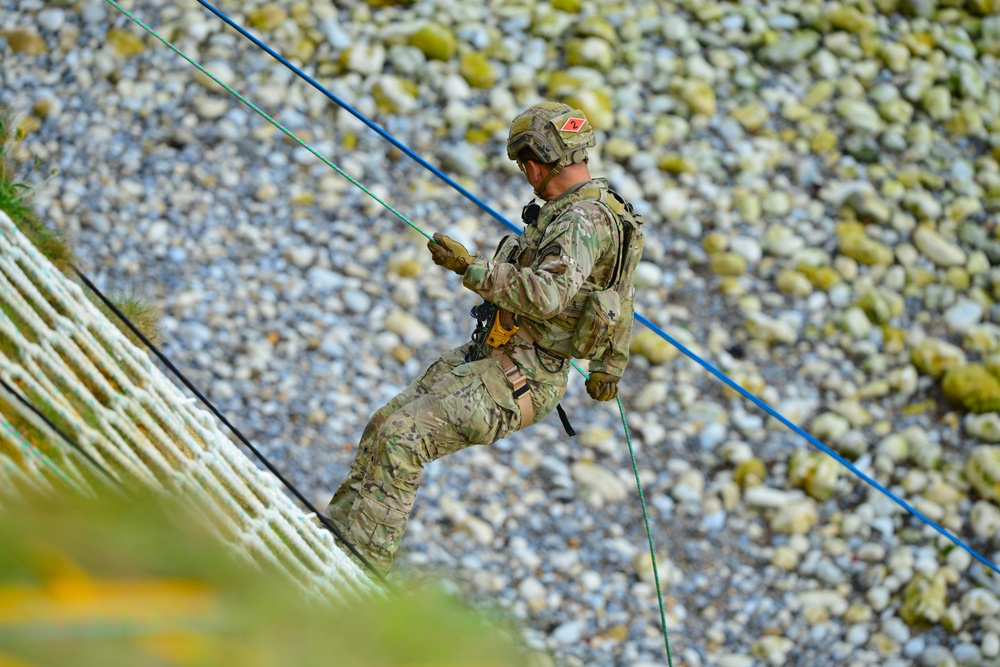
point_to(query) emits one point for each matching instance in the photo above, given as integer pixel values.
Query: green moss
(933, 357)
(816, 473)
(569, 6)
(727, 264)
(435, 41)
(674, 163)
(924, 600)
(596, 104)
(849, 19)
(648, 344)
(822, 277)
(597, 26)
(983, 472)
(751, 472)
(865, 250)
(876, 306)
(125, 43)
(477, 70)
(972, 387)
(267, 18)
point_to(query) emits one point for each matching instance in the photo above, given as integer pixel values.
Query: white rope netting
(70, 362)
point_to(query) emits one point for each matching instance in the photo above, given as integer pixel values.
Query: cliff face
(106, 397)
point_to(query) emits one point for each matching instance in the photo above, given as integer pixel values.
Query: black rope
(187, 383)
(62, 434)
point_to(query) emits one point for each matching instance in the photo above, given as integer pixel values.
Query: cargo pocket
(497, 413)
(597, 319)
(377, 528)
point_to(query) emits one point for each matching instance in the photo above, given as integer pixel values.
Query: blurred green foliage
(127, 581)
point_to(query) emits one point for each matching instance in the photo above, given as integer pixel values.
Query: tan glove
(602, 386)
(449, 253)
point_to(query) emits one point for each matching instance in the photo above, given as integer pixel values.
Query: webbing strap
(519, 384)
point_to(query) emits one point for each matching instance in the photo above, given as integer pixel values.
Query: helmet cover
(556, 133)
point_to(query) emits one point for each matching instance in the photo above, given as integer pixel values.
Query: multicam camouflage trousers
(451, 406)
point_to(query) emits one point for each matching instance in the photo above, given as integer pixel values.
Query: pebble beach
(820, 184)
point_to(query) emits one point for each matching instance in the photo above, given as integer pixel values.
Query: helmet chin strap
(545, 181)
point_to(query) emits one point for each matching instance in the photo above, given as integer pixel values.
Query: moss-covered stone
(983, 7)
(791, 50)
(820, 92)
(673, 163)
(715, 242)
(815, 472)
(435, 41)
(917, 8)
(28, 42)
(924, 600)
(751, 472)
(727, 264)
(596, 104)
(394, 95)
(699, 97)
(267, 17)
(596, 26)
(560, 84)
(551, 25)
(972, 387)
(983, 471)
(796, 519)
(125, 43)
(646, 343)
(822, 277)
(591, 52)
(477, 70)
(937, 102)
(752, 116)
(933, 357)
(880, 306)
(849, 19)
(793, 283)
(865, 250)
(569, 6)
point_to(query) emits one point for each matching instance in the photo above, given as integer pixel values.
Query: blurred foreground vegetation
(134, 582)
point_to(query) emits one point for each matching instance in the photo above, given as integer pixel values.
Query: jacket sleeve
(614, 360)
(565, 257)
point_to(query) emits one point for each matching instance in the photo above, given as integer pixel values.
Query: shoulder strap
(620, 213)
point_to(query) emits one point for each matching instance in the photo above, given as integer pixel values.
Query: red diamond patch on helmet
(573, 125)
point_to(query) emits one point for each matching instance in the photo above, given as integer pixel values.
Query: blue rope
(813, 441)
(348, 108)
(704, 364)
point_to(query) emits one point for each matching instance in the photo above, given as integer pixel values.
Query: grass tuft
(15, 201)
(143, 314)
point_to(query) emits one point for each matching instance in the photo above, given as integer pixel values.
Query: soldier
(562, 290)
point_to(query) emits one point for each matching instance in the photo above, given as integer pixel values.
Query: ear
(534, 171)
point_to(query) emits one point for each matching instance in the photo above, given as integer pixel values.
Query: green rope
(266, 117)
(290, 134)
(645, 518)
(649, 532)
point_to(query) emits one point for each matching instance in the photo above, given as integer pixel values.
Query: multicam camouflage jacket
(581, 243)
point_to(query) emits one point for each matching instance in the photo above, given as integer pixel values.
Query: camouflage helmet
(556, 133)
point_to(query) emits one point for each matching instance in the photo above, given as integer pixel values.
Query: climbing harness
(519, 384)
